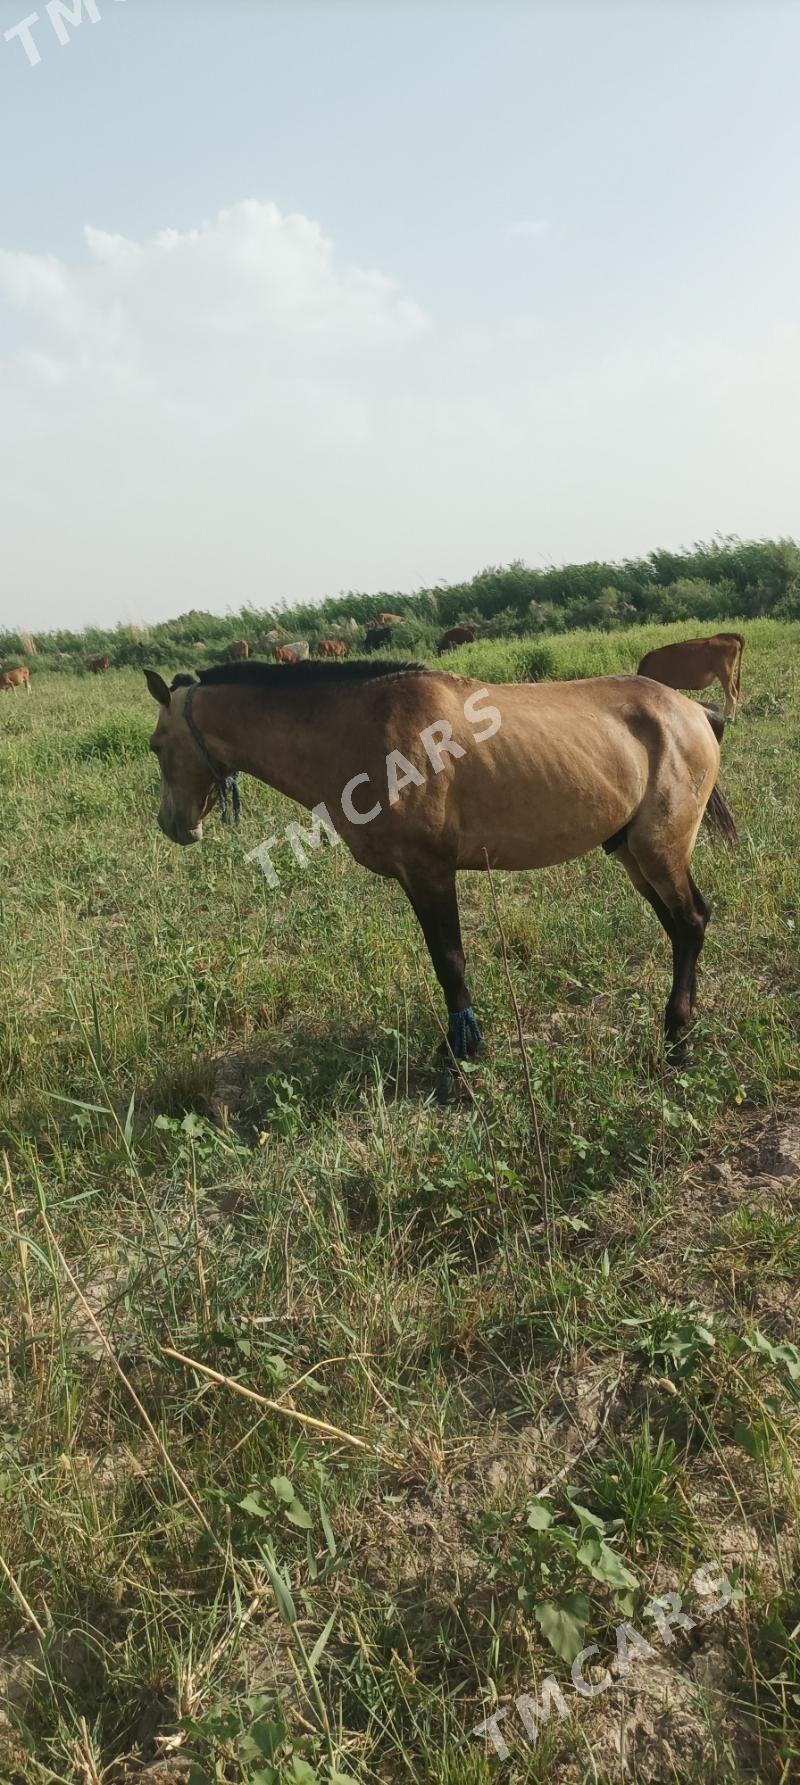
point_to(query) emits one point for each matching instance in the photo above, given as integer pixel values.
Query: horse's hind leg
(684, 914)
(727, 682)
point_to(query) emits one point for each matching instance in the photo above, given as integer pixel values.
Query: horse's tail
(739, 665)
(719, 818)
(718, 815)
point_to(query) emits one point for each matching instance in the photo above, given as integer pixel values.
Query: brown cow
(238, 650)
(458, 635)
(15, 678)
(390, 620)
(697, 663)
(333, 647)
(97, 666)
(294, 653)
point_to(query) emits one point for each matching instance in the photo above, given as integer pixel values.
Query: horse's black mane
(300, 675)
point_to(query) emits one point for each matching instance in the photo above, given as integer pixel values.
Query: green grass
(345, 1245)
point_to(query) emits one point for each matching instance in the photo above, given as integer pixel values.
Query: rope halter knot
(227, 786)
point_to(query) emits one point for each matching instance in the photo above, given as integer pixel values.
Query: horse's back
(564, 766)
(693, 662)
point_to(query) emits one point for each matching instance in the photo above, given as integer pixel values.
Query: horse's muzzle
(181, 834)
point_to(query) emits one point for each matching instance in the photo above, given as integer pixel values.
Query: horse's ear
(158, 687)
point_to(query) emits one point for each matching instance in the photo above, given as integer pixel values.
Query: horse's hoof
(451, 1085)
(445, 1051)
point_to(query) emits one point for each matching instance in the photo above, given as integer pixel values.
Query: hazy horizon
(302, 299)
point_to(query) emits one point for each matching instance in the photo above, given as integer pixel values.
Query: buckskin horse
(424, 773)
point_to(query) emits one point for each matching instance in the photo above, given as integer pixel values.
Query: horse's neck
(269, 734)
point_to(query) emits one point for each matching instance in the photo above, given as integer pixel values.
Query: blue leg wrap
(462, 1026)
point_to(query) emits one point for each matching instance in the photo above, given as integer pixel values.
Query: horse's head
(188, 787)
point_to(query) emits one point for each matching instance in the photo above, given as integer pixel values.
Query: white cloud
(236, 413)
(206, 369)
(527, 229)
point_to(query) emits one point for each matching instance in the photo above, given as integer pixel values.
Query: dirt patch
(774, 1150)
(426, 1539)
(666, 1720)
(761, 1172)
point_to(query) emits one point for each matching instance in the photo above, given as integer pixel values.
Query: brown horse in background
(424, 773)
(697, 663)
(12, 679)
(464, 634)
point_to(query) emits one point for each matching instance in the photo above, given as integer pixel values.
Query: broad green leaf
(586, 1517)
(266, 1736)
(539, 1516)
(788, 1355)
(753, 1439)
(297, 1515)
(282, 1486)
(604, 1564)
(254, 1506)
(563, 1621)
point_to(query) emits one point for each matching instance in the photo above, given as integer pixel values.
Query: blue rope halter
(226, 785)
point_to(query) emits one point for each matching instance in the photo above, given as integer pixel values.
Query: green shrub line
(705, 585)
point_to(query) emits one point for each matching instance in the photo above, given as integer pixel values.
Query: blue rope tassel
(229, 786)
(462, 1027)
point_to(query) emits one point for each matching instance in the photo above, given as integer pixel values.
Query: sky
(302, 296)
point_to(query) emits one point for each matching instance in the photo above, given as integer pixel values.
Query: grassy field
(222, 1137)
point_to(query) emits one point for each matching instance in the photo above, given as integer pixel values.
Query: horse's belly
(533, 851)
(532, 820)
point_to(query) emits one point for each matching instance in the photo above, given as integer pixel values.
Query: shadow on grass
(278, 1079)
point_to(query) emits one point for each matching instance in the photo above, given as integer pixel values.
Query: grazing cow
(333, 647)
(13, 679)
(296, 652)
(458, 635)
(390, 619)
(97, 666)
(238, 650)
(699, 662)
(377, 636)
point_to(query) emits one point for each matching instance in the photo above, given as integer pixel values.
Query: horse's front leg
(435, 903)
